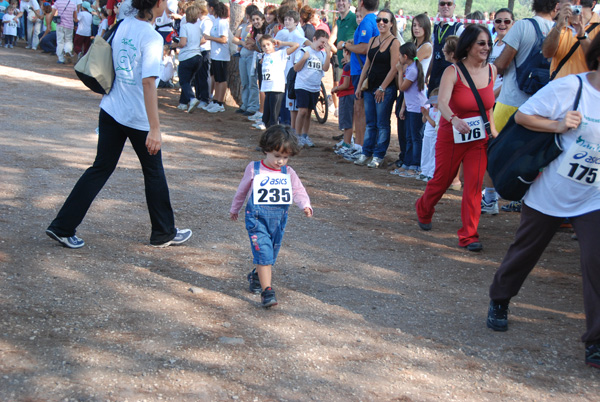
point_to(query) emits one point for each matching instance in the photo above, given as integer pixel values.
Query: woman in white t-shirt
(503, 22)
(190, 39)
(568, 187)
(219, 53)
(421, 36)
(129, 111)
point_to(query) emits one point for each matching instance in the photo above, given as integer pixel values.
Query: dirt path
(371, 308)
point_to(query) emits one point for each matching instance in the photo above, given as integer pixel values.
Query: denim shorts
(346, 112)
(266, 226)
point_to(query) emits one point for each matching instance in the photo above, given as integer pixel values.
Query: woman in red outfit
(456, 143)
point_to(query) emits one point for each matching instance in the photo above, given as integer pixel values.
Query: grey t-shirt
(521, 38)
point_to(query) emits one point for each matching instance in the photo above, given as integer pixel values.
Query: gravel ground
(370, 307)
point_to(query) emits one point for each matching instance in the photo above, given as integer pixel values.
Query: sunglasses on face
(385, 20)
(446, 3)
(482, 43)
(500, 21)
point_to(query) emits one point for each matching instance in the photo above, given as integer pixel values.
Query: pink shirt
(65, 9)
(299, 194)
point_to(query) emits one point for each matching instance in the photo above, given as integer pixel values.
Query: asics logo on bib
(473, 123)
(273, 182)
(591, 159)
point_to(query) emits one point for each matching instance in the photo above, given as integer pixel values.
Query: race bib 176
(477, 131)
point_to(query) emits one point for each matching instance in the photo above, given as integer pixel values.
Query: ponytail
(410, 50)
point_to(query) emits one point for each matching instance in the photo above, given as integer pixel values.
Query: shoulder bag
(95, 69)
(517, 155)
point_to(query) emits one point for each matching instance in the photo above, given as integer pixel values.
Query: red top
(346, 76)
(463, 103)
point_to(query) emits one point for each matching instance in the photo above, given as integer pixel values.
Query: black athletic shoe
(497, 318)
(267, 297)
(254, 282)
(592, 355)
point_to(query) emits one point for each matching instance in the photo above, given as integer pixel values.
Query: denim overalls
(265, 225)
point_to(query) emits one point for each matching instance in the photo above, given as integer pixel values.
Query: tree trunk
(511, 5)
(468, 6)
(234, 82)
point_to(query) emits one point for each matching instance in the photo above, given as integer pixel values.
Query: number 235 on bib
(272, 189)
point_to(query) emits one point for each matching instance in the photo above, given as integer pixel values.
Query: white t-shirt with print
(193, 35)
(220, 51)
(273, 75)
(84, 26)
(552, 193)
(521, 38)
(309, 78)
(10, 25)
(137, 51)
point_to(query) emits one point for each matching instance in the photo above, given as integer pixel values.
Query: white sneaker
(362, 160)
(256, 116)
(182, 106)
(375, 162)
(193, 105)
(259, 125)
(216, 108)
(202, 104)
(206, 105)
(307, 141)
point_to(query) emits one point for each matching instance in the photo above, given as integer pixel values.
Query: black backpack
(534, 73)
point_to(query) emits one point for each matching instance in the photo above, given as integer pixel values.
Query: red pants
(81, 44)
(448, 157)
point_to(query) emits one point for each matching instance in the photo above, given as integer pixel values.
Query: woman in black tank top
(380, 92)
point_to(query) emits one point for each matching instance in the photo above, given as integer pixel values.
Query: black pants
(272, 107)
(110, 146)
(533, 236)
(201, 77)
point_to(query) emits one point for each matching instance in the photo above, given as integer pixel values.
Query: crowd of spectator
(284, 51)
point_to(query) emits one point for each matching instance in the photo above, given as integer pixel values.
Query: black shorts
(335, 65)
(306, 99)
(218, 69)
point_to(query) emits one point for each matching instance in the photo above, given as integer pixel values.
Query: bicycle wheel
(321, 108)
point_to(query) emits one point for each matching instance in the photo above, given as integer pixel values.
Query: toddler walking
(270, 186)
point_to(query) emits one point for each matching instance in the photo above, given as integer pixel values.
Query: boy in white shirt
(273, 78)
(292, 32)
(310, 65)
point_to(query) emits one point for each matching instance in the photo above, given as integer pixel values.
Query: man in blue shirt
(359, 47)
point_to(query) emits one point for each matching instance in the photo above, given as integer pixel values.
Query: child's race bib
(314, 63)
(477, 131)
(272, 189)
(266, 72)
(581, 165)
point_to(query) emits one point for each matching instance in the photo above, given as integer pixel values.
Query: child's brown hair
(279, 138)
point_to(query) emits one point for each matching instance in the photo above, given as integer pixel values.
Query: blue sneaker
(497, 318)
(181, 237)
(254, 282)
(267, 297)
(70, 242)
(592, 355)
(513, 206)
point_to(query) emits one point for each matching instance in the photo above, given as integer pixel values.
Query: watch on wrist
(585, 36)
